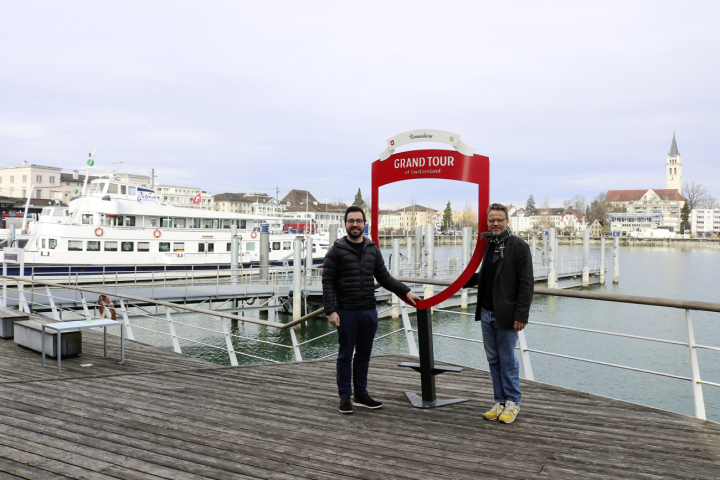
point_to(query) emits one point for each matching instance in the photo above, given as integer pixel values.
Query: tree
(710, 202)
(695, 195)
(685, 218)
(579, 203)
(447, 216)
(599, 207)
(358, 199)
(530, 204)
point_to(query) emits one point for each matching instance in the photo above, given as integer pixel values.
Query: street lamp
(307, 201)
(117, 165)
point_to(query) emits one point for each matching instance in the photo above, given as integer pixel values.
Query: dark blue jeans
(355, 333)
(504, 366)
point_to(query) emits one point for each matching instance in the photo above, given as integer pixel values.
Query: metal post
(228, 342)
(173, 335)
(466, 249)
(308, 259)
(296, 347)
(616, 260)
(4, 299)
(297, 279)
(525, 355)
(602, 261)
(586, 259)
(126, 320)
(395, 267)
(332, 235)
(551, 270)
(264, 252)
(51, 301)
(427, 356)
(430, 254)
(409, 247)
(546, 247)
(407, 326)
(233, 256)
(418, 251)
(695, 369)
(85, 306)
(534, 249)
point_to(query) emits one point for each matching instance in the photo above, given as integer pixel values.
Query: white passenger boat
(119, 227)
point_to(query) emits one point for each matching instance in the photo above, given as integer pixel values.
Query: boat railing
(135, 315)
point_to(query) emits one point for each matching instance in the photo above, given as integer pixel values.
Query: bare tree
(710, 202)
(579, 203)
(695, 194)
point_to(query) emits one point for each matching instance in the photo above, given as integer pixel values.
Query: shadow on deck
(165, 415)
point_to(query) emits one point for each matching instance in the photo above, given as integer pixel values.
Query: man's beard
(352, 235)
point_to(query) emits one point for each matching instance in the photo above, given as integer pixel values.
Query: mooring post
(409, 247)
(602, 260)
(332, 235)
(466, 248)
(552, 267)
(395, 267)
(297, 278)
(533, 244)
(586, 259)
(546, 247)
(418, 250)
(308, 259)
(233, 255)
(430, 254)
(616, 260)
(264, 251)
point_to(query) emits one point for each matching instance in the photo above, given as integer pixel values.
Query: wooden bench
(8, 317)
(28, 333)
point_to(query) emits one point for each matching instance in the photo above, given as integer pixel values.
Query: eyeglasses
(355, 222)
(493, 222)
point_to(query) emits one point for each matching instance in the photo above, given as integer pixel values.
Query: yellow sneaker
(494, 412)
(508, 415)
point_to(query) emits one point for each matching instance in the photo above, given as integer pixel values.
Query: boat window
(131, 191)
(75, 245)
(286, 245)
(276, 245)
(129, 221)
(123, 189)
(112, 188)
(87, 219)
(111, 246)
(216, 223)
(153, 222)
(127, 246)
(196, 223)
(206, 223)
(179, 223)
(120, 221)
(243, 223)
(227, 223)
(164, 246)
(52, 243)
(165, 222)
(93, 246)
(95, 187)
(143, 246)
(46, 212)
(105, 221)
(178, 247)
(201, 247)
(250, 246)
(211, 247)
(229, 247)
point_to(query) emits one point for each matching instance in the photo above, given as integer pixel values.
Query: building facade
(184, 196)
(673, 168)
(705, 221)
(633, 222)
(232, 203)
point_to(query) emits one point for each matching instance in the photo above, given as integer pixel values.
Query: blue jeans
(355, 333)
(500, 350)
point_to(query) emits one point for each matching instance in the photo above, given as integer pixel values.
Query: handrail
(203, 311)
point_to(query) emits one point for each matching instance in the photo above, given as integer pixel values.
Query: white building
(573, 221)
(705, 221)
(184, 196)
(389, 220)
(16, 182)
(625, 222)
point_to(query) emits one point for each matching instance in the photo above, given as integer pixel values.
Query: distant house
(595, 227)
(647, 204)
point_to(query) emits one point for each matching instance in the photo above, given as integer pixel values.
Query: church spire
(673, 148)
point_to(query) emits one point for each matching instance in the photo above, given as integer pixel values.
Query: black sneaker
(346, 405)
(367, 402)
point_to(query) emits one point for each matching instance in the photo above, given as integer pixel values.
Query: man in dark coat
(349, 298)
(505, 290)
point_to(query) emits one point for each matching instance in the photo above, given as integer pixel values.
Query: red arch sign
(438, 164)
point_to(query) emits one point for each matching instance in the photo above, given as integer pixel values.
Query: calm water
(682, 273)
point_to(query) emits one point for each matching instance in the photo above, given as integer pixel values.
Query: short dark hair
(355, 208)
(498, 206)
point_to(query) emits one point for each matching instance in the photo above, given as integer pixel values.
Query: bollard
(616, 260)
(332, 235)
(409, 245)
(586, 259)
(233, 255)
(430, 254)
(466, 248)
(551, 272)
(264, 251)
(308, 259)
(395, 267)
(297, 278)
(534, 249)
(546, 234)
(602, 260)
(418, 250)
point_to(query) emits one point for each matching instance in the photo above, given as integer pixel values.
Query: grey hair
(498, 206)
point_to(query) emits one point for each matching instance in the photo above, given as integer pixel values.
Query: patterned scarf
(498, 241)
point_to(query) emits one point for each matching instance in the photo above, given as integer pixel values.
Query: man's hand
(334, 319)
(518, 326)
(412, 298)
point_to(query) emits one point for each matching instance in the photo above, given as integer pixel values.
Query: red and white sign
(197, 199)
(438, 164)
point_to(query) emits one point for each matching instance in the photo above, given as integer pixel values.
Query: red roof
(634, 195)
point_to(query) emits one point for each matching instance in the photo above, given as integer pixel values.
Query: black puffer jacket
(348, 282)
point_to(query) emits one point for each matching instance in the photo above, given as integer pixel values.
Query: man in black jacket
(349, 298)
(505, 290)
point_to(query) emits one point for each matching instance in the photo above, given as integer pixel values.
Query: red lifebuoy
(253, 234)
(98, 232)
(106, 307)
(157, 233)
(307, 233)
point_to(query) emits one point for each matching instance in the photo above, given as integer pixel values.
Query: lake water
(670, 272)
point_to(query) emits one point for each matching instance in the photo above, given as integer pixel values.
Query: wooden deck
(164, 415)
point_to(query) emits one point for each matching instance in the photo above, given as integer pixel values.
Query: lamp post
(307, 202)
(117, 164)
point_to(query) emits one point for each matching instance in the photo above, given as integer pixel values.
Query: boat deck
(165, 415)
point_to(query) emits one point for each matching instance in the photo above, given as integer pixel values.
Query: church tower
(673, 168)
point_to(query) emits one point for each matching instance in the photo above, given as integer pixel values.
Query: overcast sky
(566, 98)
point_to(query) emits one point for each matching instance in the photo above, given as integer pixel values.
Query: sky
(566, 98)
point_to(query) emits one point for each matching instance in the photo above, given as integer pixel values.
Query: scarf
(498, 241)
